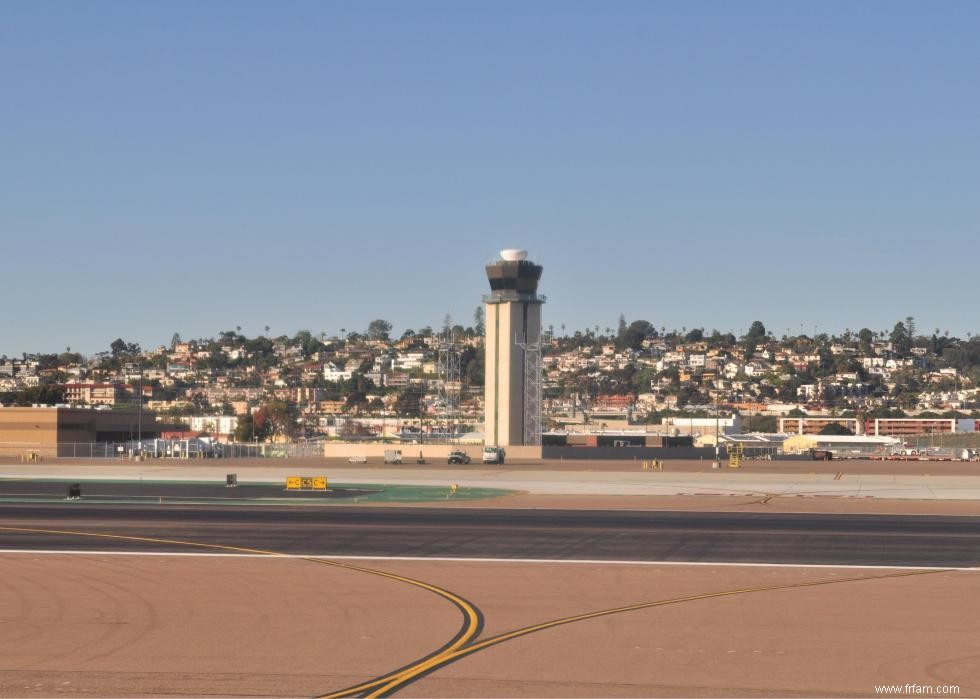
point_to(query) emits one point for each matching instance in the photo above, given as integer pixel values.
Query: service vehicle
(458, 457)
(493, 455)
(393, 456)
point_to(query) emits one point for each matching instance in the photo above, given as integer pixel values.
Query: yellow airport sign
(306, 483)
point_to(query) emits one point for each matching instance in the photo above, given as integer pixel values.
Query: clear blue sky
(190, 167)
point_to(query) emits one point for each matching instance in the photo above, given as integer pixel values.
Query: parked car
(458, 457)
(493, 455)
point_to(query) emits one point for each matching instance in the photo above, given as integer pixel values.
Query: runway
(103, 600)
(697, 537)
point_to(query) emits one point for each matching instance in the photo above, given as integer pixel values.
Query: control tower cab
(513, 323)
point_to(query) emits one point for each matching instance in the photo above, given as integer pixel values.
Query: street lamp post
(139, 412)
(717, 463)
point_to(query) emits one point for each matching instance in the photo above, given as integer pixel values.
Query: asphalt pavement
(917, 481)
(506, 534)
(151, 490)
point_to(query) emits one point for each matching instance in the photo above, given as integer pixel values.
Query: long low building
(51, 431)
(884, 426)
(813, 425)
(919, 425)
(841, 445)
(752, 442)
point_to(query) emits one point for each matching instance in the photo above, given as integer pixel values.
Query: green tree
(479, 321)
(474, 371)
(69, 357)
(865, 337)
(761, 423)
(378, 329)
(835, 428)
(46, 394)
(121, 348)
(280, 416)
(901, 339)
(409, 402)
(637, 332)
(47, 361)
(253, 427)
(690, 395)
(642, 379)
(757, 331)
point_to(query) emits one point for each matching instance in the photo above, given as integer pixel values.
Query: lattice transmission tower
(450, 377)
(532, 392)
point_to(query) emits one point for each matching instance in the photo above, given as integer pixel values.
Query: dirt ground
(140, 625)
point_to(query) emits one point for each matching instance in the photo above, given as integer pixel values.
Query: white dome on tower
(513, 255)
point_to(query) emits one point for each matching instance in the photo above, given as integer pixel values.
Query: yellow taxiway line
(412, 673)
(463, 643)
(472, 618)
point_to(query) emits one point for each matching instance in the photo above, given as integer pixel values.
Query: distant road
(509, 534)
(626, 464)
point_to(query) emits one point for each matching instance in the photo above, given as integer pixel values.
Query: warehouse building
(52, 431)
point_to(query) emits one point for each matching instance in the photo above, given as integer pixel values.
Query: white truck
(493, 455)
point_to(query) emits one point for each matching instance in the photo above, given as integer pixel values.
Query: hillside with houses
(359, 384)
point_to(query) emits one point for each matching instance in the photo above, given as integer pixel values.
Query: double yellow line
(391, 683)
(463, 643)
(472, 617)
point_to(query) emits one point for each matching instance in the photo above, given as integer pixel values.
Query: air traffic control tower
(512, 392)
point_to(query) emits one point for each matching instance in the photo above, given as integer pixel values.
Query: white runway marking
(444, 559)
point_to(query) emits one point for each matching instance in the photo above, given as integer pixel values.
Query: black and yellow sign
(306, 483)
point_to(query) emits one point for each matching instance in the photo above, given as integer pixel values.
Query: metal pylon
(532, 392)
(450, 376)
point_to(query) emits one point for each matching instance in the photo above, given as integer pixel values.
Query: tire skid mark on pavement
(464, 643)
(25, 607)
(412, 674)
(470, 628)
